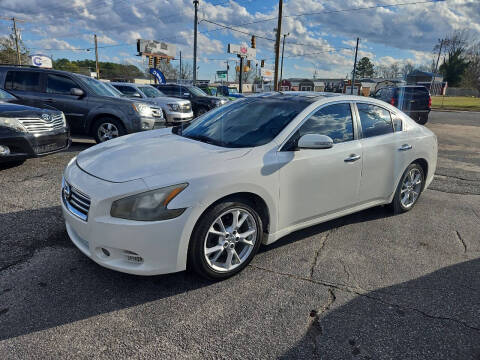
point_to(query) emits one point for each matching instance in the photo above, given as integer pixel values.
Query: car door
(382, 157)
(26, 85)
(57, 94)
(316, 182)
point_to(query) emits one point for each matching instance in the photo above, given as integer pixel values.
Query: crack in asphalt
(323, 241)
(361, 292)
(315, 328)
(460, 239)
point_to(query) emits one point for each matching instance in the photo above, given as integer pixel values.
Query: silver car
(174, 110)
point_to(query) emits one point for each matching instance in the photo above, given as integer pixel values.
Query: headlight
(148, 206)
(174, 107)
(143, 109)
(12, 124)
(217, 102)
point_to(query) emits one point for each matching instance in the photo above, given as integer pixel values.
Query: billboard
(156, 48)
(42, 61)
(267, 74)
(242, 50)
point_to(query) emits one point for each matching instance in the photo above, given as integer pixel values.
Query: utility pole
(195, 2)
(19, 60)
(181, 75)
(277, 43)
(228, 68)
(240, 80)
(283, 50)
(96, 57)
(436, 67)
(354, 67)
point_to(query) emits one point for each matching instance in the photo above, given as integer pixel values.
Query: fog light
(105, 252)
(4, 150)
(146, 126)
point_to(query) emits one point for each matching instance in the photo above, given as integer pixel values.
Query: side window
(397, 122)
(59, 84)
(127, 90)
(23, 81)
(375, 120)
(333, 120)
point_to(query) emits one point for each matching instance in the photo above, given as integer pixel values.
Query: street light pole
(277, 43)
(195, 2)
(354, 68)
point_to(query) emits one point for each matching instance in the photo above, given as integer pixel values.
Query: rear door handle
(405, 147)
(352, 158)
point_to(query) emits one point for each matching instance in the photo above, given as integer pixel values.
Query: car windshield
(233, 90)
(213, 91)
(150, 91)
(197, 91)
(5, 95)
(99, 88)
(114, 89)
(245, 123)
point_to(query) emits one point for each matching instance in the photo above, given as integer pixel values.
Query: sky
(321, 38)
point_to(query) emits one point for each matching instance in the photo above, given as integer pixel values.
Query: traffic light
(248, 63)
(262, 63)
(253, 42)
(150, 61)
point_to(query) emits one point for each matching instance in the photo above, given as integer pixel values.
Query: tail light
(392, 101)
(429, 101)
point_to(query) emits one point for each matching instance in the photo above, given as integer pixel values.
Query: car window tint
(397, 122)
(375, 120)
(23, 81)
(58, 84)
(333, 120)
(127, 90)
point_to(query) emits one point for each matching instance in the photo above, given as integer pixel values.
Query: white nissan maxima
(206, 196)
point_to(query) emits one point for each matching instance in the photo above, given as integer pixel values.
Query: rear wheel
(408, 189)
(105, 129)
(422, 119)
(225, 240)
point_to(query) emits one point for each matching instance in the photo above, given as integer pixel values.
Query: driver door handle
(405, 147)
(352, 158)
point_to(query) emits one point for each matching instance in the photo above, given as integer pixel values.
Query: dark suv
(201, 102)
(413, 100)
(90, 106)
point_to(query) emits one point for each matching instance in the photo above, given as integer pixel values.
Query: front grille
(39, 125)
(75, 201)
(186, 108)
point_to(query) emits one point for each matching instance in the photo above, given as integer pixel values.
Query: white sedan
(205, 197)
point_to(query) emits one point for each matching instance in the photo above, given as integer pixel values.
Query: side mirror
(315, 141)
(77, 92)
(136, 95)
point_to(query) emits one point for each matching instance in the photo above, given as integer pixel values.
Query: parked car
(209, 90)
(90, 106)
(414, 100)
(29, 132)
(201, 102)
(175, 111)
(246, 173)
(229, 91)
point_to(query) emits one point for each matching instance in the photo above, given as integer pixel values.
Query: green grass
(456, 103)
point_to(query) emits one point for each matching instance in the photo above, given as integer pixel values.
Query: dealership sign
(41, 61)
(222, 74)
(159, 75)
(242, 50)
(156, 48)
(267, 74)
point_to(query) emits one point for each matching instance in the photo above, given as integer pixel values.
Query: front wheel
(225, 240)
(107, 129)
(408, 189)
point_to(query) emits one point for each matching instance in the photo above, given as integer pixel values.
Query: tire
(227, 245)
(115, 127)
(422, 119)
(399, 204)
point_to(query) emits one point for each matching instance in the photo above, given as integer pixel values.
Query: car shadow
(435, 316)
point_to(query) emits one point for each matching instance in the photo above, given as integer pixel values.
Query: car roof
(34, 68)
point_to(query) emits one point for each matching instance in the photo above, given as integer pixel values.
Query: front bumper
(26, 145)
(135, 247)
(178, 117)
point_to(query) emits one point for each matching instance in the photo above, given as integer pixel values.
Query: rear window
(23, 81)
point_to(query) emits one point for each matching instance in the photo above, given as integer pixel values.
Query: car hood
(151, 153)
(11, 110)
(168, 100)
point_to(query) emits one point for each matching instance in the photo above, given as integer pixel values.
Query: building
(418, 77)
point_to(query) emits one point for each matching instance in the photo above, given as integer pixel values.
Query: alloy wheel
(107, 131)
(230, 240)
(411, 187)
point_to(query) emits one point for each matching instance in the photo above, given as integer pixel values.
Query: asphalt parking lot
(366, 286)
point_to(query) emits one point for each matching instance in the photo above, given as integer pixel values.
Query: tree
(108, 70)
(407, 68)
(471, 76)
(364, 68)
(454, 62)
(8, 50)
